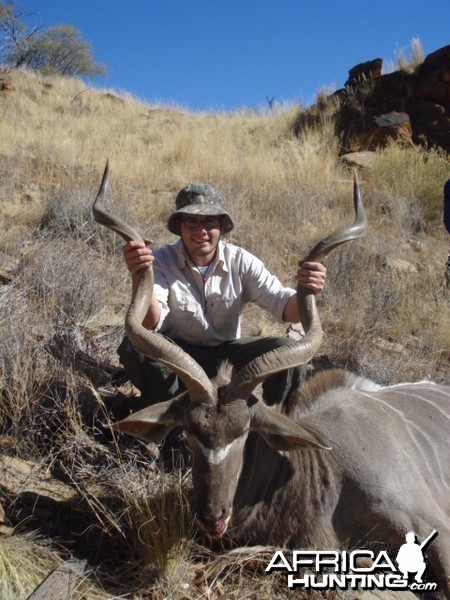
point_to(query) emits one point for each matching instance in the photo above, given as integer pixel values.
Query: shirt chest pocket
(225, 312)
(183, 305)
(224, 301)
(188, 307)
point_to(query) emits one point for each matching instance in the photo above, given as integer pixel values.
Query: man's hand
(312, 275)
(137, 255)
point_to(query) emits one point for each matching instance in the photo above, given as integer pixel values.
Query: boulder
(372, 108)
(376, 131)
(433, 82)
(367, 70)
(361, 160)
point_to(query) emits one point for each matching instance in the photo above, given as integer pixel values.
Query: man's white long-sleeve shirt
(206, 309)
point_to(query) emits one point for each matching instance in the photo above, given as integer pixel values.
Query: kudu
(371, 462)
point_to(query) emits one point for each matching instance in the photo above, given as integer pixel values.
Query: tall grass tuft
(409, 185)
(25, 561)
(409, 61)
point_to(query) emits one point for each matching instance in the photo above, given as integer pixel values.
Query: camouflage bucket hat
(199, 199)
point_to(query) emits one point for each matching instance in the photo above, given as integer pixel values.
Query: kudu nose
(213, 525)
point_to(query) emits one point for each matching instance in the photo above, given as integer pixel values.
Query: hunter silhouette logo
(410, 557)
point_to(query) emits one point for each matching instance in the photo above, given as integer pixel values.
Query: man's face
(200, 235)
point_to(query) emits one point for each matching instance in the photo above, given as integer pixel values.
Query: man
(201, 287)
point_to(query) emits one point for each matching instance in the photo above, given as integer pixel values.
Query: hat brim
(207, 210)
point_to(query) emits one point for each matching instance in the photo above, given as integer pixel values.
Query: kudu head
(216, 416)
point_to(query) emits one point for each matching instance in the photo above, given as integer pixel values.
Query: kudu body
(355, 463)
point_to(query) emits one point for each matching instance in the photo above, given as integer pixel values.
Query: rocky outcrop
(413, 108)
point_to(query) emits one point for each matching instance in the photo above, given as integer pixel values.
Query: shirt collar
(183, 258)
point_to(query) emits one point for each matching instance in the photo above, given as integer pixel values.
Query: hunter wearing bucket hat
(202, 284)
(199, 199)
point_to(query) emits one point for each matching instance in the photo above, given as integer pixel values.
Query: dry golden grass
(407, 60)
(383, 318)
(411, 59)
(25, 560)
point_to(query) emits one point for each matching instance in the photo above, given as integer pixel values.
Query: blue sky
(219, 55)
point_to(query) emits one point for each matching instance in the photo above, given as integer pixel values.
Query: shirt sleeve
(263, 288)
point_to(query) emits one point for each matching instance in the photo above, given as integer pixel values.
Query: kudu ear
(280, 432)
(153, 423)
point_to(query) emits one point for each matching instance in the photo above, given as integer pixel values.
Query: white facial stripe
(217, 455)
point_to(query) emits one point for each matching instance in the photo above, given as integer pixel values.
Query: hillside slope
(64, 291)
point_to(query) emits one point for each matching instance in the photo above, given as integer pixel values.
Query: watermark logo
(410, 558)
(357, 569)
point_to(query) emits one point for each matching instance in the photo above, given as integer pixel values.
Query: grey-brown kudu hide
(354, 463)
